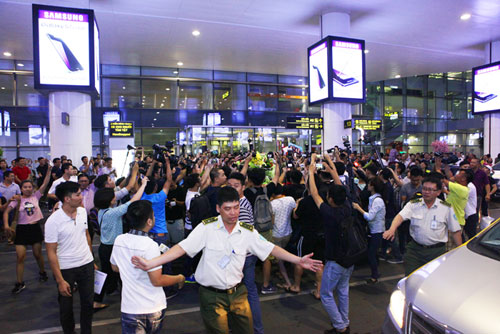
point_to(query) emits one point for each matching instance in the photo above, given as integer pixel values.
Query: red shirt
(22, 172)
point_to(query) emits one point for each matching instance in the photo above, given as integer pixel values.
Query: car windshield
(488, 244)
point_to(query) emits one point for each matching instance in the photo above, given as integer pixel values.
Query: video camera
(159, 153)
(446, 160)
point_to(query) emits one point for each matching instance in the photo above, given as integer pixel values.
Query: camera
(446, 160)
(159, 153)
(347, 144)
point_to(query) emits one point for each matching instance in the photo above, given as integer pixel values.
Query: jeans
(175, 230)
(84, 277)
(142, 323)
(374, 241)
(166, 269)
(253, 293)
(396, 252)
(111, 282)
(336, 279)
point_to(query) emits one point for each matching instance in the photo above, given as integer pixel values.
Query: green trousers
(416, 256)
(222, 310)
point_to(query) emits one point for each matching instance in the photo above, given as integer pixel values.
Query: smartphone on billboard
(65, 53)
(338, 78)
(484, 97)
(321, 82)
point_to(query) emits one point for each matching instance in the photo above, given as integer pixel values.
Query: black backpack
(353, 241)
(199, 209)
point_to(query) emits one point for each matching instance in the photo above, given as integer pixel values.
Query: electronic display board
(368, 124)
(304, 122)
(486, 88)
(319, 85)
(121, 129)
(65, 49)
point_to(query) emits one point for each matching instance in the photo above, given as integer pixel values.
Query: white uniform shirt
(71, 237)
(470, 207)
(139, 296)
(221, 265)
(430, 226)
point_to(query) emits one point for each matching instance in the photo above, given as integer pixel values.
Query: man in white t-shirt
(108, 169)
(143, 303)
(70, 256)
(68, 175)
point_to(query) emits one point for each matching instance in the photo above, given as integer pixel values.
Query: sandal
(289, 290)
(313, 293)
(100, 307)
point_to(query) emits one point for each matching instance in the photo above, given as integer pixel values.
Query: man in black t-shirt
(335, 277)
(174, 213)
(41, 170)
(295, 189)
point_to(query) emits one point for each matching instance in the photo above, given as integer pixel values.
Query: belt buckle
(231, 291)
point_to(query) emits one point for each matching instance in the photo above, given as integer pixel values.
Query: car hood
(460, 289)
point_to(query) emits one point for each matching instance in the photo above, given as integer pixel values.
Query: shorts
(28, 234)
(311, 244)
(268, 235)
(281, 242)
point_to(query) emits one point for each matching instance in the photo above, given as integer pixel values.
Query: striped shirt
(246, 211)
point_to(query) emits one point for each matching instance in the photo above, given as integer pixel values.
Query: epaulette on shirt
(416, 200)
(446, 203)
(247, 226)
(209, 220)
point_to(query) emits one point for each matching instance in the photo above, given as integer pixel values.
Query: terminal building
(416, 93)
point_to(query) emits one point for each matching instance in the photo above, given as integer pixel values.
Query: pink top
(29, 211)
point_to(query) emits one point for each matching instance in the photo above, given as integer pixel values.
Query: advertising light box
(65, 49)
(304, 122)
(486, 88)
(336, 68)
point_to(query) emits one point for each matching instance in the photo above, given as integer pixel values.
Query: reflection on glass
(119, 93)
(262, 98)
(230, 97)
(195, 95)
(159, 94)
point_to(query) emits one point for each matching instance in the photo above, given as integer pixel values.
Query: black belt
(229, 291)
(439, 244)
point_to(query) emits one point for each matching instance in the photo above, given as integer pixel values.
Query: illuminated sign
(225, 95)
(318, 72)
(348, 124)
(486, 88)
(121, 129)
(368, 124)
(304, 123)
(65, 49)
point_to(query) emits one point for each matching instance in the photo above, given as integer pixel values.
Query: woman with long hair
(28, 231)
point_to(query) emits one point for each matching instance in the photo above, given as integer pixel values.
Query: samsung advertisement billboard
(66, 49)
(336, 69)
(486, 88)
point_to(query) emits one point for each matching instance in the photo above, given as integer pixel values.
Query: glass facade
(221, 110)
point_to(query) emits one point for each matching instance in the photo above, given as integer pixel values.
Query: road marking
(197, 309)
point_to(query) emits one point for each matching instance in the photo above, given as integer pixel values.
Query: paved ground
(35, 310)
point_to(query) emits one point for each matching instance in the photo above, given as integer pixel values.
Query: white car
(457, 293)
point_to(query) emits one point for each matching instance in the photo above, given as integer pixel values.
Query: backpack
(93, 221)
(353, 241)
(199, 209)
(262, 212)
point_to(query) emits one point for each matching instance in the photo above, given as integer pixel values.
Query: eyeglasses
(429, 189)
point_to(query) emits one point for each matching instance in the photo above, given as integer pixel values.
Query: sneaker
(382, 258)
(269, 289)
(172, 294)
(190, 279)
(42, 277)
(18, 288)
(395, 261)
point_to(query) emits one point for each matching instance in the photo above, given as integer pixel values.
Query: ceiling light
(180, 63)
(3, 87)
(124, 87)
(300, 80)
(157, 112)
(154, 119)
(196, 33)
(465, 16)
(7, 54)
(182, 90)
(143, 97)
(20, 65)
(167, 88)
(176, 72)
(25, 85)
(367, 51)
(397, 76)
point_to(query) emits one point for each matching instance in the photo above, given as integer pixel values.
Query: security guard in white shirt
(225, 243)
(431, 219)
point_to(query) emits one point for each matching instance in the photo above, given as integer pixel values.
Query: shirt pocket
(215, 250)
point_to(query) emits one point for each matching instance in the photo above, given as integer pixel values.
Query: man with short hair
(217, 179)
(225, 243)
(105, 181)
(21, 171)
(67, 170)
(8, 188)
(481, 182)
(108, 169)
(3, 168)
(41, 170)
(431, 219)
(70, 256)
(56, 169)
(143, 303)
(86, 167)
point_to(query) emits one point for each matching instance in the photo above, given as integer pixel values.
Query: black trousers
(84, 277)
(111, 283)
(470, 227)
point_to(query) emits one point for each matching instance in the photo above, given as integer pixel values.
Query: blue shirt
(376, 214)
(111, 224)
(158, 202)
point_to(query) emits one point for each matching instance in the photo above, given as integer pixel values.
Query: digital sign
(348, 69)
(348, 124)
(304, 123)
(368, 124)
(486, 88)
(65, 49)
(336, 69)
(318, 72)
(121, 129)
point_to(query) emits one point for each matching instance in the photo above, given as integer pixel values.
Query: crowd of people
(217, 215)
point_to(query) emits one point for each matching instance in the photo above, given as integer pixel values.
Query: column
(492, 121)
(334, 114)
(73, 140)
